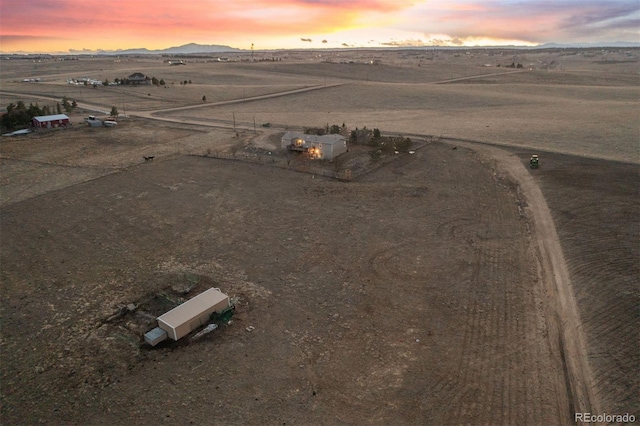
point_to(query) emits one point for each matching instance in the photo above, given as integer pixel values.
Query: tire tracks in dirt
(564, 319)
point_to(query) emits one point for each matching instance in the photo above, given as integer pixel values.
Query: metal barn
(193, 313)
(49, 121)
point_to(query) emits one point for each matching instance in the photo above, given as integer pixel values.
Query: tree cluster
(68, 106)
(125, 81)
(19, 115)
(362, 136)
(334, 129)
(391, 144)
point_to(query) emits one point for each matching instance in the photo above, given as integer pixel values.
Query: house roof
(328, 139)
(137, 76)
(43, 118)
(193, 307)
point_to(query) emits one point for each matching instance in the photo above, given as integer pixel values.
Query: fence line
(277, 162)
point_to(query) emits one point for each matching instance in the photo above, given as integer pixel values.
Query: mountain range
(177, 50)
(193, 48)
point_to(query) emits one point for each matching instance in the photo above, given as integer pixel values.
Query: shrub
(315, 131)
(361, 136)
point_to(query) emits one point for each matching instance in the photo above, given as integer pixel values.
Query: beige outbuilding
(193, 313)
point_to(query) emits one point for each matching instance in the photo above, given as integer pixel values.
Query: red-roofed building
(50, 121)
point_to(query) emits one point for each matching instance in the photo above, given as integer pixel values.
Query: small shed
(193, 313)
(325, 147)
(49, 121)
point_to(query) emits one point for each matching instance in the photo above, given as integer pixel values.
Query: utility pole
(234, 122)
(251, 52)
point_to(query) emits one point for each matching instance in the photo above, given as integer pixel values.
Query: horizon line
(616, 44)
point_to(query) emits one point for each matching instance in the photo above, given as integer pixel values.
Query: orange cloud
(59, 25)
(125, 23)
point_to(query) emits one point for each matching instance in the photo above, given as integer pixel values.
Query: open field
(576, 102)
(598, 223)
(520, 114)
(428, 290)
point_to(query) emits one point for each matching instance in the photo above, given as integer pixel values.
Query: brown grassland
(451, 285)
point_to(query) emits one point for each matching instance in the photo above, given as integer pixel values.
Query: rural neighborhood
(320, 236)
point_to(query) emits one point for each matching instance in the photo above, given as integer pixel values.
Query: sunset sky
(64, 26)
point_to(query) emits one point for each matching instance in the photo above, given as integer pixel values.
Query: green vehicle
(534, 162)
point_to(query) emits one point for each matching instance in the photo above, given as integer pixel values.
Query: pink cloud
(110, 24)
(150, 17)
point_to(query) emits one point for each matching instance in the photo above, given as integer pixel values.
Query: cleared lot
(411, 295)
(392, 296)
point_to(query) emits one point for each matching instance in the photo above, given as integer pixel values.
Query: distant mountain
(186, 49)
(198, 48)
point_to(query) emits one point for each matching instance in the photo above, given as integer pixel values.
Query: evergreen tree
(17, 116)
(34, 110)
(65, 104)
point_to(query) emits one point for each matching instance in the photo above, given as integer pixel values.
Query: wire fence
(339, 171)
(277, 161)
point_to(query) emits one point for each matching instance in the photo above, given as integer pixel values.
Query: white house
(326, 147)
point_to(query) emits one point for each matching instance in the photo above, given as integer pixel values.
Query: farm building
(49, 121)
(138, 78)
(326, 147)
(193, 313)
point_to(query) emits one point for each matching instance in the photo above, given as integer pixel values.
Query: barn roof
(328, 139)
(193, 307)
(43, 118)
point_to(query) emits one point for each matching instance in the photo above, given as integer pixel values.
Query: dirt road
(563, 311)
(479, 76)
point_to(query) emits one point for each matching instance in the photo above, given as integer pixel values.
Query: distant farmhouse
(137, 78)
(325, 147)
(50, 121)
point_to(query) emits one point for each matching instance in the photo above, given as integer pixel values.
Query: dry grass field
(451, 286)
